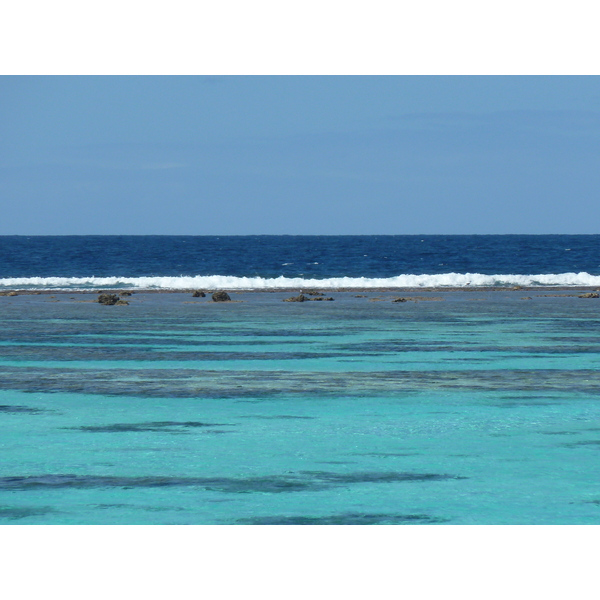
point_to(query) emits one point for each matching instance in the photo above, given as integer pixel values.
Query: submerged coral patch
(6, 408)
(14, 513)
(151, 426)
(344, 519)
(303, 481)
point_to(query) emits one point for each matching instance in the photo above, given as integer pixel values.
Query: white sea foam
(215, 282)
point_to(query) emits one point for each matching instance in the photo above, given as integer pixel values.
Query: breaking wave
(215, 282)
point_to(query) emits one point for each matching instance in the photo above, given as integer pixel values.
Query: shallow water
(477, 408)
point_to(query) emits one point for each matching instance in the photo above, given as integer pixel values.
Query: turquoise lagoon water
(476, 408)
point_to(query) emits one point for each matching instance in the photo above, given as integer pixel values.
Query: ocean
(450, 380)
(260, 262)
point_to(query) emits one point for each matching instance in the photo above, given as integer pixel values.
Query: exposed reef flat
(298, 290)
(373, 297)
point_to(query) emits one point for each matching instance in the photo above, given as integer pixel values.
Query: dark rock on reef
(126, 293)
(400, 300)
(198, 294)
(303, 298)
(313, 293)
(122, 303)
(221, 297)
(108, 299)
(300, 298)
(590, 295)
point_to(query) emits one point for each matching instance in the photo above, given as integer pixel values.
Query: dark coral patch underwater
(170, 426)
(304, 481)
(345, 519)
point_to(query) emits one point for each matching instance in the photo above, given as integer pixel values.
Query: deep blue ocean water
(284, 261)
(452, 407)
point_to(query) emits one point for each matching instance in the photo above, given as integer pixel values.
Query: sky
(237, 155)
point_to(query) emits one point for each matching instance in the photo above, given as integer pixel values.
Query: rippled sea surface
(454, 408)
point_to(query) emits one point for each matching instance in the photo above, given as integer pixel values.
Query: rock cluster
(221, 297)
(590, 295)
(110, 300)
(303, 298)
(300, 298)
(198, 294)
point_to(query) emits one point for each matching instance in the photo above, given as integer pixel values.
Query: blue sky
(233, 155)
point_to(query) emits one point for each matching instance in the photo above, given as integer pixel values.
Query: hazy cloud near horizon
(454, 171)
